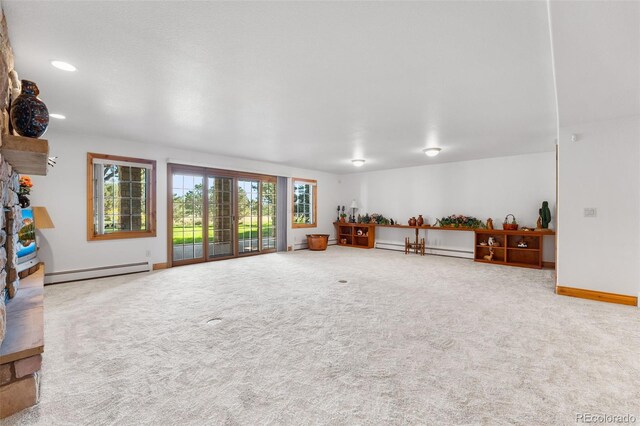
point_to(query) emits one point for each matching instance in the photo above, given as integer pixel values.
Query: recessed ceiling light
(65, 66)
(58, 116)
(358, 163)
(432, 152)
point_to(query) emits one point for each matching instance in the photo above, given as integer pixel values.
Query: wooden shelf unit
(508, 253)
(349, 233)
(27, 156)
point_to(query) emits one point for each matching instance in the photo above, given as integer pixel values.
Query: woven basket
(510, 226)
(317, 241)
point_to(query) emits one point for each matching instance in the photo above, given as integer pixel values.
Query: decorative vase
(420, 220)
(412, 221)
(24, 201)
(342, 220)
(29, 115)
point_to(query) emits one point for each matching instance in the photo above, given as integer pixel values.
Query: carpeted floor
(406, 340)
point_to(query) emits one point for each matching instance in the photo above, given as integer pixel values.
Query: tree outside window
(121, 193)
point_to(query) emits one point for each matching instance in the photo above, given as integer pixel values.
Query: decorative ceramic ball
(29, 115)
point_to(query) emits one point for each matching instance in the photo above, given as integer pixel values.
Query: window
(304, 203)
(121, 197)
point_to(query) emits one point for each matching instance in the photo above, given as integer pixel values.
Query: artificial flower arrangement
(459, 221)
(25, 189)
(25, 185)
(375, 218)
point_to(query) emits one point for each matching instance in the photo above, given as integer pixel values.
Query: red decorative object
(510, 226)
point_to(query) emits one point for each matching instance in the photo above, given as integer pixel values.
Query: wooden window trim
(91, 236)
(221, 172)
(315, 203)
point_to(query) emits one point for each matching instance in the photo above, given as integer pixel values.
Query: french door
(219, 214)
(220, 217)
(186, 213)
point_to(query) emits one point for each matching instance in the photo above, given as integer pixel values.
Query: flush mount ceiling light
(58, 116)
(432, 152)
(358, 163)
(64, 66)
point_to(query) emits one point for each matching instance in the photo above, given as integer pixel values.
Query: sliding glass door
(238, 209)
(256, 215)
(248, 216)
(187, 218)
(220, 213)
(268, 216)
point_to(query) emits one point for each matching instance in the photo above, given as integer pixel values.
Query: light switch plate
(590, 212)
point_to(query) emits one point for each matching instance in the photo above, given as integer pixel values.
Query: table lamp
(353, 208)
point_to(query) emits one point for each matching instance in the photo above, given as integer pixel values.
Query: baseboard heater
(97, 272)
(303, 245)
(466, 254)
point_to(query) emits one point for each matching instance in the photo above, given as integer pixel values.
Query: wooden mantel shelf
(27, 156)
(25, 320)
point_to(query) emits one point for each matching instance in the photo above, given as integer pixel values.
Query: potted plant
(343, 215)
(459, 221)
(25, 189)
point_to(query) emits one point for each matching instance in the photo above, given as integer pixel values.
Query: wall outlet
(148, 253)
(590, 212)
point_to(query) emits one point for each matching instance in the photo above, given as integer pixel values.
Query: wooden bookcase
(508, 252)
(361, 235)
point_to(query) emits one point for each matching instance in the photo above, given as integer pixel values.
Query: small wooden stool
(418, 247)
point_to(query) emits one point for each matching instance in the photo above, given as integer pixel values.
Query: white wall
(63, 192)
(484, 188)
(600, 170)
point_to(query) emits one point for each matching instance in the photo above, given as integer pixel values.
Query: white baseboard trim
(303, 244)
(440, 251)
(97, 272)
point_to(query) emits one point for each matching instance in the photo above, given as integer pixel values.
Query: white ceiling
(308, 84)
(597, 59)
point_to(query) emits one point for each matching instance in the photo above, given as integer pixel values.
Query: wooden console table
(418, 245)
(508, 253)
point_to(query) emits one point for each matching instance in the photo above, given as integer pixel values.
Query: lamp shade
(353, 205)
(42, 218)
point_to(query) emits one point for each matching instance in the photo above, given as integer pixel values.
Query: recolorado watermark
(600, 418)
